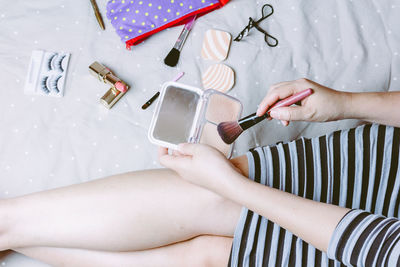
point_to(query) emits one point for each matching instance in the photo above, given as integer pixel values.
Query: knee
(241, 164)
(4, 225)
(208, 251)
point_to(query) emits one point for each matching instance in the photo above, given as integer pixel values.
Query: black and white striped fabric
(365, 239)
(357, 168)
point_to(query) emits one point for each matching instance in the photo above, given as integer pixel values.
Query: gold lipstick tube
(118, 87)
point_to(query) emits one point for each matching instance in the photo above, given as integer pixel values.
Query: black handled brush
(230, 130)
(173, 55)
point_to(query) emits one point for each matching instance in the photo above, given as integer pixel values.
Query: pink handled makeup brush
(173, 55)
(230, 130)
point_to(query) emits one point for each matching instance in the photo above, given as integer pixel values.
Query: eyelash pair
(47, 73)
(53, 73)
(49, 83)
(55, 62)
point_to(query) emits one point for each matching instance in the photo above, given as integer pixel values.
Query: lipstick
(105, 75)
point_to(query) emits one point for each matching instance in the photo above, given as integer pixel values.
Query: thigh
(131, 211)
(202, 251)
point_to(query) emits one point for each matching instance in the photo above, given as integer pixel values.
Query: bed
(51, 142)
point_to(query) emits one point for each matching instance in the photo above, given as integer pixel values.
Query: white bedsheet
(45, 142)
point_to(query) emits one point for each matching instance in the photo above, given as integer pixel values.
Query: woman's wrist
(233, 183)
(360, 105)
(346, 105)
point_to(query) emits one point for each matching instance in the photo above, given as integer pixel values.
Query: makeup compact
(186, 114)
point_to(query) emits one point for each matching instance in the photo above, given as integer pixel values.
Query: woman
(187, 216)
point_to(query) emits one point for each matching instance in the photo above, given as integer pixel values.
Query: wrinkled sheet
(49, 142)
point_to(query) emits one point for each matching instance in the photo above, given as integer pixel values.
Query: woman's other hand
(201, 165)
(324, 104)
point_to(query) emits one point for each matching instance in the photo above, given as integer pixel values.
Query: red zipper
(182, 20)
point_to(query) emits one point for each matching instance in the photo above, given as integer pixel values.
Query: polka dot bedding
(136, 20)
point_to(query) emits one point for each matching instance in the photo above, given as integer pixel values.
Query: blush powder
(221, 108)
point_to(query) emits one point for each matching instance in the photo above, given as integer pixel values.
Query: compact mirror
(176, 115)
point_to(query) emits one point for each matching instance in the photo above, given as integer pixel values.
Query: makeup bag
(136, 20)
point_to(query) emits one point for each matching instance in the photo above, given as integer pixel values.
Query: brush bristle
(229, 131)
(172, 57)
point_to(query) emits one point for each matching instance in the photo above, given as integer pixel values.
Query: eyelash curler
(255, 24)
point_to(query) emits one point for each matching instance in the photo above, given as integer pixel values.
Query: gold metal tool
(97, 13)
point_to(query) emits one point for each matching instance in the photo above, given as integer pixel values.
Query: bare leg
(5, 253)
(127, 212)
(200, 251)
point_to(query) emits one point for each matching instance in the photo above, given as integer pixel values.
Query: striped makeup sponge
(219, 77)
(216, 45)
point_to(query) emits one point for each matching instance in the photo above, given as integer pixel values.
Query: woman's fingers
(294, 113)
(175, 163)
(170, 161)
(163, 155)
(177, 153)
(285, 123)
(189, 148)
(278, 92)
(162, 151)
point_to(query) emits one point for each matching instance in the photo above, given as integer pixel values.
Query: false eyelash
(59, 63)
(50, 62)
(44, 87)
(54, 84)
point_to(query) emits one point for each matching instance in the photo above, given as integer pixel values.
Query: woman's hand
(324, 104)
(201, 165)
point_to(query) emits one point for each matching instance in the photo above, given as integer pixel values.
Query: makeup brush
(230, 130)
(173, 56)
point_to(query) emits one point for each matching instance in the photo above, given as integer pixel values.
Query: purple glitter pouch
(136, 20)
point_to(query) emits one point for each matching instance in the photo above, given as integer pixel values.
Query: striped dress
(358, 169)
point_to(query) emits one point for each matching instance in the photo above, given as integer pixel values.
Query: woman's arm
(326, 104)
(382, 107)
(353, 237)
(312, 221)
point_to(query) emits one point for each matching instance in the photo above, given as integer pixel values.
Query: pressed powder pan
(189, 114)
(220, 109)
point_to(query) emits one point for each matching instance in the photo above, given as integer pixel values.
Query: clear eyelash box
(46, 73)
(186, 114)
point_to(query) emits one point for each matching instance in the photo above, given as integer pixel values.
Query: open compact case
(186, 114)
